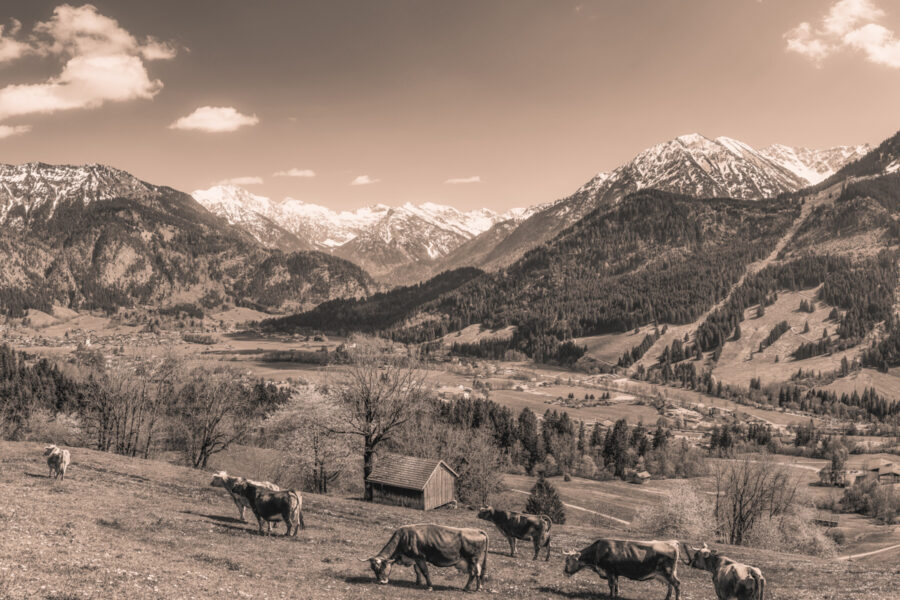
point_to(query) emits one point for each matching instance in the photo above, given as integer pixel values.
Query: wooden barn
(412, 482)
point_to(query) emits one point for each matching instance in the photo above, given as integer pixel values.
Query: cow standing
(732, 580)
(57, 460)
(520, 526)
(639, 561)
(421, 545)
(269, 506)
(224, 480)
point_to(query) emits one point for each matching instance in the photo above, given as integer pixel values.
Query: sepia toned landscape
(330, 300)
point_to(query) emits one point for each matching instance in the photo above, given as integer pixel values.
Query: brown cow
(268, 506)
(224, 480)
(419, 545)
(640, 561)
(520, 526)
(57, 460)
(732, 580)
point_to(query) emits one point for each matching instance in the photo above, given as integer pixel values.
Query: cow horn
(363, 559)
(570, 552)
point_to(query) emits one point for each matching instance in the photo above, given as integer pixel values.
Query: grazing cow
(57, 460)
(640, 561)
(520, 526)
(732, 580)
(224, 480)
(269, 506)
(419, 545)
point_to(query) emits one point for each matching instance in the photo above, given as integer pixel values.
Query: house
(421, 483)
(886, 473)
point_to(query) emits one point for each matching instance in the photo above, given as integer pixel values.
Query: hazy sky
(517, 101)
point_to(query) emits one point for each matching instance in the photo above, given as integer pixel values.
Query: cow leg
(302, 524)
(613, 586)
(546, 558)
(240, 508)
(418, 574)
(512, 545)
(537, 546)
(423, 567)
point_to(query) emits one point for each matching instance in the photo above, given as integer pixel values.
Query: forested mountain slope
(97, 237)
(656, 256)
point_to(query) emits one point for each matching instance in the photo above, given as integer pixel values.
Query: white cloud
(241, 181)
(10, 48)
(849, 24)
(102, 63)
(215, 119)
(879, 44)
(364, 180)
(11, 130)
(295, 173)
(472, 179)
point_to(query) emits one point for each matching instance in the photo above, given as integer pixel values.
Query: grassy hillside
(123, 528)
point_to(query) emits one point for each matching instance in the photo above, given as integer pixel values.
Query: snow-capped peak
(328, 228)
(38, 187)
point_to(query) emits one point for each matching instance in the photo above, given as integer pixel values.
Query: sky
(472, 103)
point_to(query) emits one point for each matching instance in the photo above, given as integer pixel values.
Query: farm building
(413, 482)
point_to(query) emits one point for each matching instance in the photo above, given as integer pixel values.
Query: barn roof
(406, 472)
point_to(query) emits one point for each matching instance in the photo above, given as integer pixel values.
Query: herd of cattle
(466, 549)
(420, 545)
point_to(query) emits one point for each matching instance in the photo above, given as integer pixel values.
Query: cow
(640, 561)
(57, 460)
(520, 526)
(419, 545)
(224, 480)
(268, 506)
(732, 580)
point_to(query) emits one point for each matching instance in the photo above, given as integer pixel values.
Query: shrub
(545, 500)
(687, 513)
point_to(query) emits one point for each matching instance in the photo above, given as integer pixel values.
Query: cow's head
(573, 562)
(218, 479)
(704, 558)
(486, 512)
(48, 450)
(381, 567)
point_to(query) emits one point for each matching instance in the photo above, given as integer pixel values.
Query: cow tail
(484, 558)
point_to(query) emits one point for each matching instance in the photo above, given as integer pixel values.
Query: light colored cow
(57, 460)
(224, 480)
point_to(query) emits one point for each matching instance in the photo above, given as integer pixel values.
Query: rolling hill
(119, 527)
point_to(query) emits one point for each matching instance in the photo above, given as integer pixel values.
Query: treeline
(555, 444)
(376, 312)
(885, 353)
(131, 411)
(637, 352)
(865, 406)
(779, 330)
(655, 257)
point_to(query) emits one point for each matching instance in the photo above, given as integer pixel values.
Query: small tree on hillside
(545, 500)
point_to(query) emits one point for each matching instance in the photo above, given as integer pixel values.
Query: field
(124, 528)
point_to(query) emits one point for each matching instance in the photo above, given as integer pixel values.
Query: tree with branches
(378, 392)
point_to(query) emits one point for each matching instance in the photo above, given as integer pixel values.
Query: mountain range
(95, 236)
(378, 238)
(409, 243)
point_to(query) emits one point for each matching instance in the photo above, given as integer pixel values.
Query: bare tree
(213, 410)
(748, 490)
(378, 392)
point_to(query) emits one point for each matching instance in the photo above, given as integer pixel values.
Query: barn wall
(384, 494)
(440, 489)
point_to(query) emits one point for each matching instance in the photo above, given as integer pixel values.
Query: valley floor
(125, 528)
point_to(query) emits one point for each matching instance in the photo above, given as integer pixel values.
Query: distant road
(581, 508)
(852, 556)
